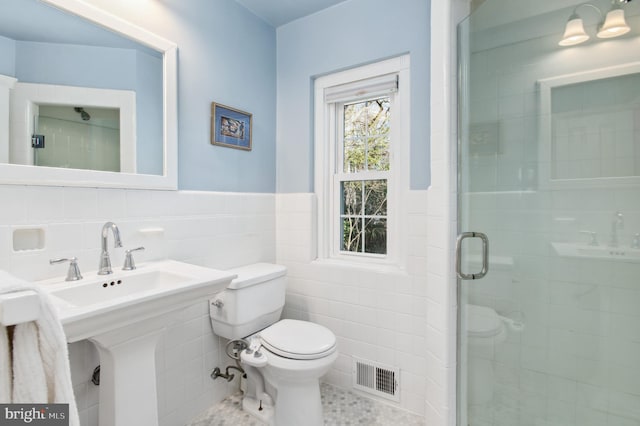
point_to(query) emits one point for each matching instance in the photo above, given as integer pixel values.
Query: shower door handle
(485, 255)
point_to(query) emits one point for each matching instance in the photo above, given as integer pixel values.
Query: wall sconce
(613, 25)
(574, 32)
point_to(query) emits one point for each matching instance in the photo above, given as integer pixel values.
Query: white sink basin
(118, 287)
(102, 303)
(124, 314)
(617, 254)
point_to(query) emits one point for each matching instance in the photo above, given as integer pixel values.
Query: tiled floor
(340, 407)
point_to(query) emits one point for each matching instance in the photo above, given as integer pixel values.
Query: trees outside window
(363, 182)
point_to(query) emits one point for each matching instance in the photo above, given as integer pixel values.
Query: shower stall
(549, 171)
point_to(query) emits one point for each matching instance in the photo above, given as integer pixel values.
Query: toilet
(485, 330)
(285, 358)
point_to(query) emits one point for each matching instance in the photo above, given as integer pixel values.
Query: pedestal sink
(124, 314)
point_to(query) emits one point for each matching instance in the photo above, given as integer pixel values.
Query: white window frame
(327, 158)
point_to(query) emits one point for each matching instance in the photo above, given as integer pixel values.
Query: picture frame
(230, 127)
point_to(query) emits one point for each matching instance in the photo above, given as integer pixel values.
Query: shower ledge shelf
(584, 251)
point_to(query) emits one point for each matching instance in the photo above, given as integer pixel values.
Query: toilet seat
(301, 340)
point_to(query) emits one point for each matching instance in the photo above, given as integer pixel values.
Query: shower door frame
(441, 408)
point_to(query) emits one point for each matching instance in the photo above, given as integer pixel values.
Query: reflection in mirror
(589, 122)
(52, 62)
(594, 132)
(77, 138)
(77, 146)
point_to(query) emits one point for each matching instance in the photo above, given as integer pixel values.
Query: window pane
(351, 198)
(365, 146)
(355, 120)
(366, 136)
(352, 234)
(375, 192)
(378, 116)
(354, 154)
(378, 154)
(375, 236)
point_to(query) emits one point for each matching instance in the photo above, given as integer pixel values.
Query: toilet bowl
(484, 326)
(485, 330)
(285, 358)
(295, 354)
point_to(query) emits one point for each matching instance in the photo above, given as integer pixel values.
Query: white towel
(29, 378)
(5, 362)
(41, 372)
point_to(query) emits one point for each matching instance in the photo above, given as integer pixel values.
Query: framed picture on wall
(230, 127)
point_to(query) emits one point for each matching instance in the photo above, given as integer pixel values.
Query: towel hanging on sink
(29, 378)
(40, 359)
(5, 359)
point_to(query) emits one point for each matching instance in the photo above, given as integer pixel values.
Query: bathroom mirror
(589, 127)
(86, 98)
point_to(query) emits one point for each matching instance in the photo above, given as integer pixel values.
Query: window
(363, 175)
(361, 140)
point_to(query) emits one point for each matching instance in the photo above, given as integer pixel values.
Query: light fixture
(614, 25)
(574, 32)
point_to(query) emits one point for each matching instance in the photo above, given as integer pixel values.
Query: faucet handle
(73, 274)
(594, 237)
(129, 264)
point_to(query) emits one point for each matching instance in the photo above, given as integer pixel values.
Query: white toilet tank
(251, 302)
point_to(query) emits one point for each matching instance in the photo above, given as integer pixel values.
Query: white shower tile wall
(219, 230)
(377, 315)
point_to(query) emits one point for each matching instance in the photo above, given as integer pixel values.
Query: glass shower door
(549, 170)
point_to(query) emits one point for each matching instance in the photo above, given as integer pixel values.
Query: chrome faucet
(105, 261)
(618, 222)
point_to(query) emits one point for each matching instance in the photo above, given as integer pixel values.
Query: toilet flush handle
(218, 303)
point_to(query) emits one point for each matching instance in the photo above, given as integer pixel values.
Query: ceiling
(280, 12)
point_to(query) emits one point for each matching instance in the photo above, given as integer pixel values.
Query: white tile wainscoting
(386, 316)
(219, 230)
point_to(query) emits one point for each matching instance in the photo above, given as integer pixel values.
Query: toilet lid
(482, 321)
(298, 339)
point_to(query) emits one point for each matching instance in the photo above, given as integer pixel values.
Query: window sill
(387, 268)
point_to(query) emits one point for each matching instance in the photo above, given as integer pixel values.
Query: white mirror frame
(49, 176)
(545, 87)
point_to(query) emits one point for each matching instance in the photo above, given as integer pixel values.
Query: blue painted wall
(8, 57)
(352, 33)
(226, 55)
(150, 158)
(75, 65)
